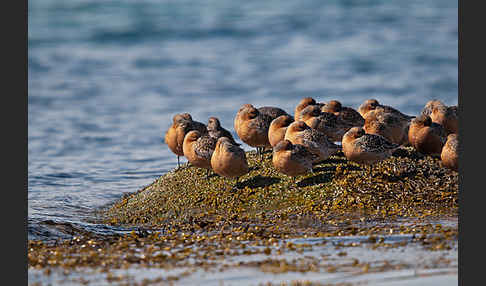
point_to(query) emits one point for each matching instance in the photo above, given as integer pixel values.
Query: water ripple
(102, 93)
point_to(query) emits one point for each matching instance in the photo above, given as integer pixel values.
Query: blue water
(106, 77)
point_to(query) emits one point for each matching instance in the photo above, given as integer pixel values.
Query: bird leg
(178, 162)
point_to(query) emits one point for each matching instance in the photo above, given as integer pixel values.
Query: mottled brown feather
(388, 125)
(216, 131)
(372, 104)
(365, 148)
(317, 142)
(198, 149)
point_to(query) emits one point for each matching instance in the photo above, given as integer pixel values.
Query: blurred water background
(106, 77)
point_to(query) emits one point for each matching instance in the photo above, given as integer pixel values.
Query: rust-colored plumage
(237, 120)
(199, 148)
(366, 149)
(278, 126)
(449, 154)
(344, 113)
(446, 116)
(372, 104)
(174, 133)
(252, 126)
(292, 159)
(325, 122)
(426, 136)
(303, 103)
(388, 125)
(182, 123)
(228, 159)
(431, 105)
(315, 141)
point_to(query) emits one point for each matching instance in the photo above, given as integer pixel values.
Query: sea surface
(106, 77)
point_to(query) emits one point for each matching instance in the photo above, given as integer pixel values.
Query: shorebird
(317, 142)
(272, 111)
(446, 116)
(388, 125)
(237, 120)
(426, 136)
(216, 131)
(252, 127)
(325, 122)
(366, 149)
(174, 137)
(198, 149)
(292, 159)
(228, 159)
(345, 113)
(449, 154)
(442, 114)
(278, 126)
(303, 103)
(431, 105)
(371, 104)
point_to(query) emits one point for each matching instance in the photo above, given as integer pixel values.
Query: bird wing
(375, 143)
(352, 116)
(271, 111)
(204, 147)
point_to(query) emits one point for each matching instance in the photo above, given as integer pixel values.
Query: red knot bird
(325, 122)
(228, 159)
(252, 127)
(372, 104)
(345, 113)
(425, 136)
(449, 154)
(216, 131)
(366, 149)
(278, 126)
(292, 159)
(442, 114)
(303, 103)
(174, 137)
(317, 142)
(388, 125)
(198, 149)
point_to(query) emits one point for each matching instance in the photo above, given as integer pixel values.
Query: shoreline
(269, 226)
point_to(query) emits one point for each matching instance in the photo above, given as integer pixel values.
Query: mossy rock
(407, 184)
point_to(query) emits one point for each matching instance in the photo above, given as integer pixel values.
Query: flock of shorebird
(367, 135)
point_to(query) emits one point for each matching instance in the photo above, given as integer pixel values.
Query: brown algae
(188, 221)
(405, 185)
